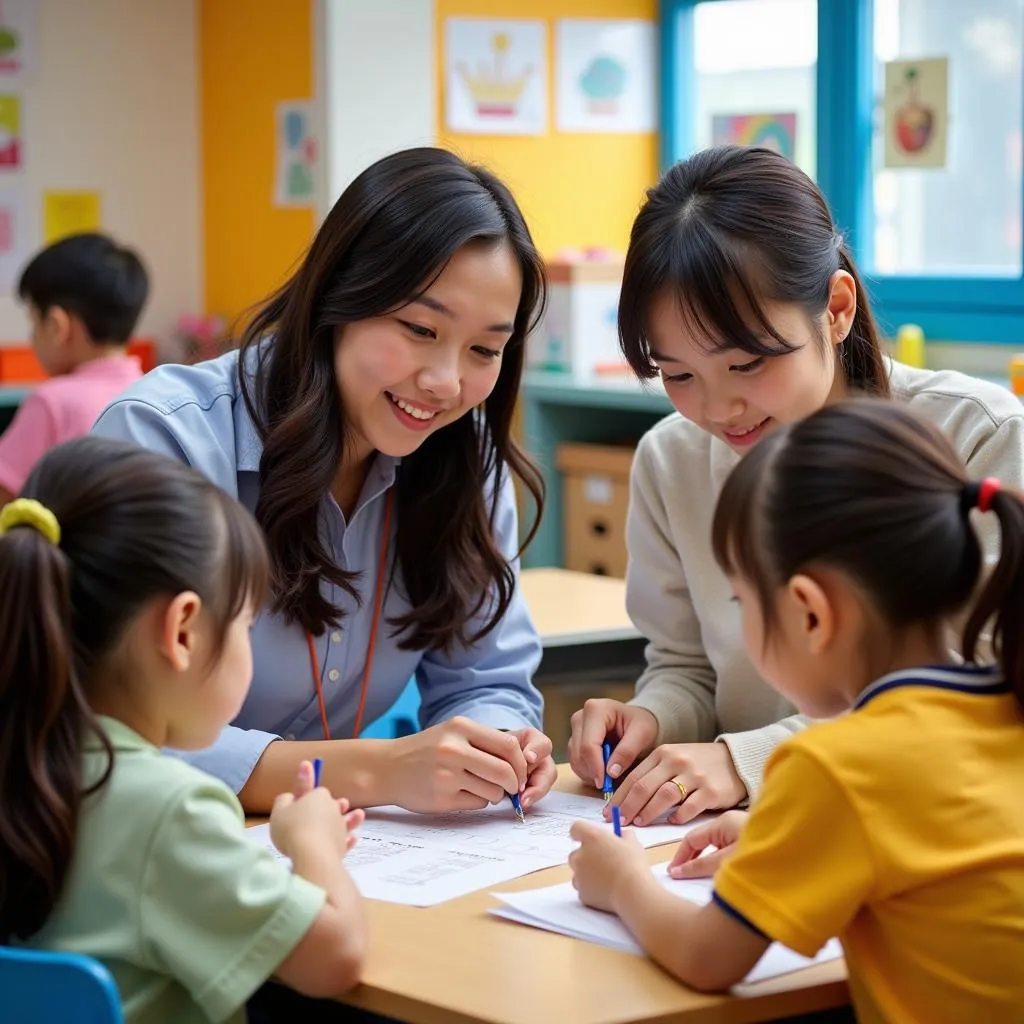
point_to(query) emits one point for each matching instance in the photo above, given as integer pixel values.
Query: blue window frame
(948, 308)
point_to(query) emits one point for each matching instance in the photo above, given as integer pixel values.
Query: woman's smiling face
(734, 395)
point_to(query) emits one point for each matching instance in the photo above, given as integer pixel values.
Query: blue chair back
(400, 720)
(47, 988)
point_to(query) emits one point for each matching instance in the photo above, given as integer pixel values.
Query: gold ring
(683, 791)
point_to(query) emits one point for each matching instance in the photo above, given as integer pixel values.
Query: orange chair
(18, 363)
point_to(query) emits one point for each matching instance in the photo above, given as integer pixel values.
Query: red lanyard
(378, 601)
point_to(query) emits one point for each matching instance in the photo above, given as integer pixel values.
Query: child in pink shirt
(84, 295)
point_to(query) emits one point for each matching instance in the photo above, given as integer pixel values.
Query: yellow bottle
(1017, 375)
(910, 345)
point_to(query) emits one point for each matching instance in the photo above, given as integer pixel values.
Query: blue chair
(44, 988)
(400, 720)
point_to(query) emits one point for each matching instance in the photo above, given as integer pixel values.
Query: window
(754, 75)
(942, 247)
(962, 220)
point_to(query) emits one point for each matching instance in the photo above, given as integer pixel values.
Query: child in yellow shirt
(899, 826)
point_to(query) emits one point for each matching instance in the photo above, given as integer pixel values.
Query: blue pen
(607, 788)
(616, 819)
(318, 763)
(517, 807)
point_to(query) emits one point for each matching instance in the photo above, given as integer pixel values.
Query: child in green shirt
(128, 585)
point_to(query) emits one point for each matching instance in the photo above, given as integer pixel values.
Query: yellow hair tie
(29, 512)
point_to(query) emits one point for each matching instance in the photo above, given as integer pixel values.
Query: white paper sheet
(557, 908)
(425, 859)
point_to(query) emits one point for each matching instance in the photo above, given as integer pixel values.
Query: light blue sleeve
(490, 682)
(199, 434)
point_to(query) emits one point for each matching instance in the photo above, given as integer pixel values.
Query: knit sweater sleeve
(1000, 454)
(750, 750)
(678, 684)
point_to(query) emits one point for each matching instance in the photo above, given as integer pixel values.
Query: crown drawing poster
(496, 76)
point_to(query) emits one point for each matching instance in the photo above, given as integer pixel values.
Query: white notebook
(557, 908)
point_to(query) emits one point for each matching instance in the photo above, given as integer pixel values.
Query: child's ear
(179, 633)
(814, 612)
(57, 324)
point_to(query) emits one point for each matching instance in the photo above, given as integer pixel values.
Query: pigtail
(43, 718)
(1001, 600)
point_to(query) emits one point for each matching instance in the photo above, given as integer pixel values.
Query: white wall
(113, 105)
(376, 98)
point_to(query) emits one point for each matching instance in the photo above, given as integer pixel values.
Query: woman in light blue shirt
(366, 421)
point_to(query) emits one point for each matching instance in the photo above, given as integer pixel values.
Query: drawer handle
(598, 527)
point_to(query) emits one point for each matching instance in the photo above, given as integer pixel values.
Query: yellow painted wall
(252, 53)
(575, 189)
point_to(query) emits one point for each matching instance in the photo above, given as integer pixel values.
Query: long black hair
(870, 489)
(727, 230)
(390, 235)
(134, 526)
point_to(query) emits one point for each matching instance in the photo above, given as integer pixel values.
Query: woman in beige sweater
(739, 292)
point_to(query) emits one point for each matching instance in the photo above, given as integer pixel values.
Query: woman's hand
(632, 731)
(460, 765)
(603, 861)
(691, 777)
(541, 770)
(721, 833)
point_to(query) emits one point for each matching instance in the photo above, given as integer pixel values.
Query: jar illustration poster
(496, 76)
(18, 25)
(606, 75)
(11, 155)
(772, 131)
(916, 112)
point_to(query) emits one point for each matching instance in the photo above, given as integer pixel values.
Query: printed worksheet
(557, 908)
(424, 859)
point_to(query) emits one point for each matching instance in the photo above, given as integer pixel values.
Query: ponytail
(861, 352)
(43, 722)
(1001, 600)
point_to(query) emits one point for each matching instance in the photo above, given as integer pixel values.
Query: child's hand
(309, 814)
(603, 860)
(721, 833)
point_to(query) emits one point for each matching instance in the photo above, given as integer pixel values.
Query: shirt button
(290, 737)
(333, 675)
(335, 637)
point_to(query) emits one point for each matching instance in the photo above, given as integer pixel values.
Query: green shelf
(562, 407)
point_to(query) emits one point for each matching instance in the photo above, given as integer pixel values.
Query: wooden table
(455, 964)
(572, 609)
(582, 623)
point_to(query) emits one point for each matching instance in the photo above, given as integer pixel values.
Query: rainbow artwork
(773, 131)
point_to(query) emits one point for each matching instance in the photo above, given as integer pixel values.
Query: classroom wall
(377, 71)
(252, 54)
(112, 106)
(575, 189)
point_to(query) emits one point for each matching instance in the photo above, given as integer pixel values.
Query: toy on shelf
(910, 345)
(1017, 375)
